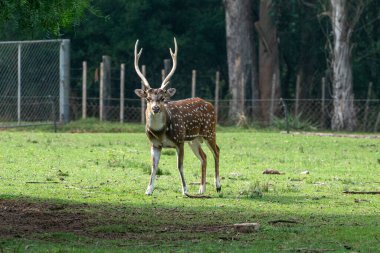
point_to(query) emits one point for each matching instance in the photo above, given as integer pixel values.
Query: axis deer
(171, 124)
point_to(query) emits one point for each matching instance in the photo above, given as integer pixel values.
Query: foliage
(96, 181)
(367, 51)
(27, 19)
(197, 25)
(299, 122)
(302, 34)
(305, 32)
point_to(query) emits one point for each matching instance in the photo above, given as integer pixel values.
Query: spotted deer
(169, 124)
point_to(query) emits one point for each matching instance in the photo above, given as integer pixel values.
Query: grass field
(84, 192)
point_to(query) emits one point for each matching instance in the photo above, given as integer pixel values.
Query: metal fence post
(64, 77)
(19, 84)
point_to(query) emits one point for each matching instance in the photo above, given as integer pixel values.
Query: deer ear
(141, 93)
(170, 92)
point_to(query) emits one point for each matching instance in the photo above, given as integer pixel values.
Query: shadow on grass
(68, 224)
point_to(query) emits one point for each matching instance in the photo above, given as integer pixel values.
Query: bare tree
(269, 69)
(344, 16)
(240, 54)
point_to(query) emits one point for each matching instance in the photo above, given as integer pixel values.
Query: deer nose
(156, 109)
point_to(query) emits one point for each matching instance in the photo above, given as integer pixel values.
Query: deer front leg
(180, 154)
(155, 155)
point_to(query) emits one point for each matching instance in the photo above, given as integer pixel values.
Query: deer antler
(174, 58)
(137, 57)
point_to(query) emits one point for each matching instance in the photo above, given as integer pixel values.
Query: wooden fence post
(101, 92)
(377, 123)
(323, 110)
(271, 109)
(217, 77)
(122, 86)
(193, 82)
(163, 75)
(298, 91)
(167, 66)
(143, 68)
(106, 85)
(367, 106)
(84, 90)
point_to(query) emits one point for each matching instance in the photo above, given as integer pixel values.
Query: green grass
(84, 192)
(90, 125)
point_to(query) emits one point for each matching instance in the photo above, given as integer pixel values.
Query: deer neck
(156, 122)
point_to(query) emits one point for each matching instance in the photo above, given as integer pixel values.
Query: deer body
(169, 124)
(183, 120)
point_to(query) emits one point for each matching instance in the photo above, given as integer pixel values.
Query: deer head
(155, 97)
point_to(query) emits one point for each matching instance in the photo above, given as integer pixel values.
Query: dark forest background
(302, 30)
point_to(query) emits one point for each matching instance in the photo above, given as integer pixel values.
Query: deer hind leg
(155, 154)
(195, 146)
(180, 154)
(211, 143)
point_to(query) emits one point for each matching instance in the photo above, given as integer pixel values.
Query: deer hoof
(184, 191)
(149, 191)
(219, 189)
(202, 189)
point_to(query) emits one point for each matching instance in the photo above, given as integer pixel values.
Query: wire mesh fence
(308, 114)
(30, 82)
(311, 114)
(33, 91)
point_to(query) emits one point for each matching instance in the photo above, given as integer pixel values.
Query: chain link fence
(301, 114)
(31, 82)
(311, 114)
(35, 81)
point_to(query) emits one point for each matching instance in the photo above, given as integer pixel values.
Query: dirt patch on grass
(22, 218)
(19, 218)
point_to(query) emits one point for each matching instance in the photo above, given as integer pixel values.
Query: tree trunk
(240, 54)
(344, 115)
(268, 60)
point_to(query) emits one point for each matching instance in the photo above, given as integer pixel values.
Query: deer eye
(148, 99)
(162, 99)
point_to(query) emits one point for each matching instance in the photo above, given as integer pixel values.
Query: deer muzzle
(155, 109)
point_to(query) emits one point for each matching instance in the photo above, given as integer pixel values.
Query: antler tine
(174, 58)
(137, 57)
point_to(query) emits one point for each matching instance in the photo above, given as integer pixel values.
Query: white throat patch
(156, 121)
